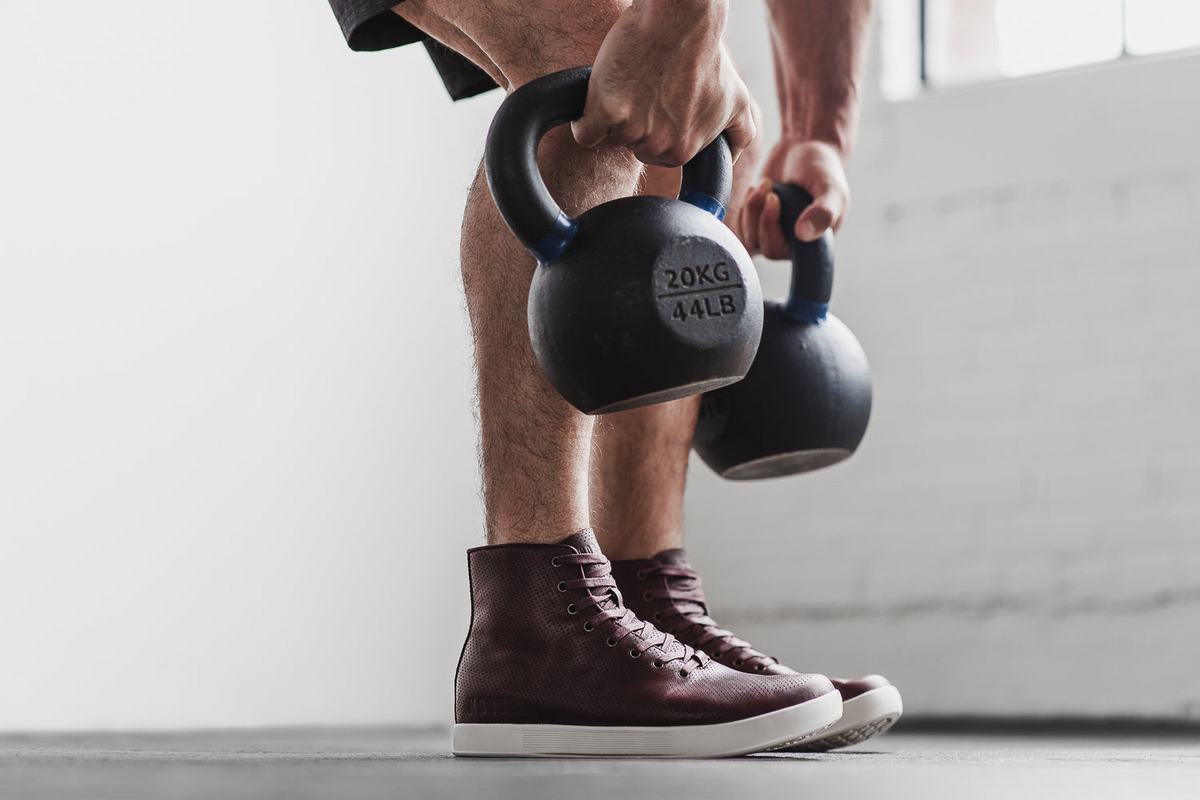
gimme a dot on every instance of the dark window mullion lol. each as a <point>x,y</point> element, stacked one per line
<point>923,44</point>
<point>1124,28</point>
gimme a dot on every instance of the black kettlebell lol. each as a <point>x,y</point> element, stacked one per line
<point>641,299</point>
<point>806,401</point>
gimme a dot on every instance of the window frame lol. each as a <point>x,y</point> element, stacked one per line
<point>925,85</point>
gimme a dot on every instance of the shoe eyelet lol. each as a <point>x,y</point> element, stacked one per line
<point>641,574</point>
<point>611,642</point>
<point>589,627</point>
<point>634,653</point>
<point>657,616</point>
<point>758,667</point>
<point>645,595</point>
<point>737,662</point>
<point>572,610</point>
<point>554,562</point>
<point>683,673</point>
<point>562,586</point>
<point>658,663</point>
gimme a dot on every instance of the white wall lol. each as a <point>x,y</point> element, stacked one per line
<point>236,455</point>
<point>1018,532</point>
<point>236,449</point>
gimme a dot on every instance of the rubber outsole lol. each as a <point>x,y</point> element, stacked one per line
<point>763,732</point>
<point>863,717</point>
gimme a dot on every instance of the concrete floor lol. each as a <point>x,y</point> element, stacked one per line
<point>387,763</point>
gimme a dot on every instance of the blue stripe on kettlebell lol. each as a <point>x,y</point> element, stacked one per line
<point>806,310</point>
<point>557,240</point>
<point>703,201</point>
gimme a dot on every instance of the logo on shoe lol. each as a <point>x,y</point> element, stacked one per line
<point>493,707</point>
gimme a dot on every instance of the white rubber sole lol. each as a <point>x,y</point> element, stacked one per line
<point>863,717</point>
<point>766,731</point>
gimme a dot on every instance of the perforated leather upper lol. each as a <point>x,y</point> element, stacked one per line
<point>528,659</point>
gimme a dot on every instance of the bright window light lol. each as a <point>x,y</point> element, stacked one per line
<point>1044,35</point>
<point>967,41</point>
<point>900,48</point>
<point>1157,26</point>
<point>971,40</point>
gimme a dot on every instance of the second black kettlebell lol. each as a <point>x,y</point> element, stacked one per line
<point>806,400</point>
<point>641,299</point>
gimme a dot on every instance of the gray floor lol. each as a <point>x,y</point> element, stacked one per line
<point>385,763</point>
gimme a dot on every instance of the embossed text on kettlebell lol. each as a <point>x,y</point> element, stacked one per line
<point>698,292</point>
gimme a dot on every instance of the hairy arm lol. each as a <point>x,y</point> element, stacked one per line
<point>819,47</point>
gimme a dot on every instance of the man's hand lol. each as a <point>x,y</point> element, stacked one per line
<point>663,85</point>
<point>815,167</point>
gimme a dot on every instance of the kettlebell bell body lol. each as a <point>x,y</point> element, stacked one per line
<point>806,401</point>
<point>639,300</point>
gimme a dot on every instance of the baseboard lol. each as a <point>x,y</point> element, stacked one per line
<point>1046,725</point>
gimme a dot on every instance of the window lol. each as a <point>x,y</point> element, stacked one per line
<point>938,43</point>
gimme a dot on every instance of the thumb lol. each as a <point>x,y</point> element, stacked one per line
<point>589,130</point>
<point>824,213</point>
<point>596,123</point>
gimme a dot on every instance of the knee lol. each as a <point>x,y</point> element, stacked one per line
<point>529,38</point>
<point>580,178</point>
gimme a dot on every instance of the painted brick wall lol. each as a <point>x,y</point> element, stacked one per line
<point>1020,532</point>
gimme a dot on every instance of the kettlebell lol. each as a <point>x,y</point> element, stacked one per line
<point>806,401</point>
<point>641,299</point>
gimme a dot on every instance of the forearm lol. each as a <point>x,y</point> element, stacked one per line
<point>819,47</point>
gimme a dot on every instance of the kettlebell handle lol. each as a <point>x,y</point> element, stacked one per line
<point>812,262</point>
<point>510,160</point>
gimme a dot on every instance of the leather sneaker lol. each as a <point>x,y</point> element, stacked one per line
<point>555,664</point>
<point>666,590</point>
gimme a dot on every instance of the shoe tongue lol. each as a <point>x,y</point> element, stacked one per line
<point>582,540</point>
<point>676,557</point>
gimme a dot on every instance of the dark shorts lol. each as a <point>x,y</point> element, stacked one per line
<point>371,25</point>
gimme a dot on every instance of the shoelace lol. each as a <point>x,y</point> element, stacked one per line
<point>686,602</point>
<point>625,626</point>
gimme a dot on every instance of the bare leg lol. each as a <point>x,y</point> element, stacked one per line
<point>535,447</point>
<point>639,465</point>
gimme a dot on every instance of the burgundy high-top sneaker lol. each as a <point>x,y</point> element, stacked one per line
<point>666,590</point>
<point>554,664</point>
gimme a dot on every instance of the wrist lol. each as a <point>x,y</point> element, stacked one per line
<point>830,138</point>
<point>830,121</point>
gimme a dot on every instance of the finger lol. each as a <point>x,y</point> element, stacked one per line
<point>589,130</point>
<point>824,213</point>
<point>739,194</point>
<point>643,148</point>
<point>741,131</point>
<point>745,231</point>
<point>654,160</point>
<point>623,134</point>
<point>599,121</point>
<point>665,151</point>
<point>770,233</point>
<point>751,211</point>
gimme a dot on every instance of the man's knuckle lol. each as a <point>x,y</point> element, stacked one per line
<point>624,132</point>
<point>612,109</point>
<point>655,143</point>
<point>683,151</point>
